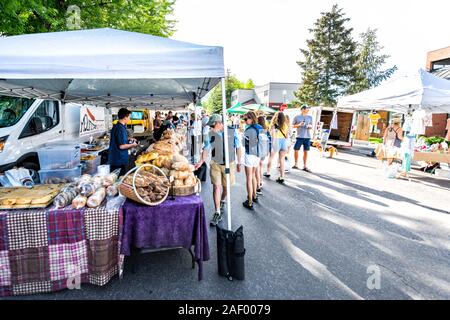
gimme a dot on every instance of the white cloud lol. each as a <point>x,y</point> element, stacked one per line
<point>262,38</point>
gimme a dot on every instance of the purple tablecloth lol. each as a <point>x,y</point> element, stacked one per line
<point>174,223</point>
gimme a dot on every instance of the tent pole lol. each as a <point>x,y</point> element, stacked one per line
<point>227,155</point>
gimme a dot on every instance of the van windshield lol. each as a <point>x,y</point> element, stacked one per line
<point>12,110</point>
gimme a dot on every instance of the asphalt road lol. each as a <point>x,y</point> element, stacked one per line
<point>321,236</point>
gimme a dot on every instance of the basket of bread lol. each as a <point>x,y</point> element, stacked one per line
<point>184,182</point>
<point>146,184</point>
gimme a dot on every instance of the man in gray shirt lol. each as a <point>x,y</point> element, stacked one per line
<point>303,123</point>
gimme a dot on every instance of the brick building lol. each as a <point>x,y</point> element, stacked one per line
<point>438,63</point>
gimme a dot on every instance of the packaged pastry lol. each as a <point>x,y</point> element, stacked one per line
<point>98,182</point>
<point>110,179</point>
<point>87,189</point>
<point>65,197</point>
<point>112,191</point>
<point>79,202</point>
<point>97,198</point>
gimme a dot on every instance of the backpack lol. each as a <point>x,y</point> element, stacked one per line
<point>263,144</point>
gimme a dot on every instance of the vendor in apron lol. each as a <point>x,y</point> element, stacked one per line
<point>120,144</point>
<point>215,147</point>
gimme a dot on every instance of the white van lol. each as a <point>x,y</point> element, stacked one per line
<point>28,124</point>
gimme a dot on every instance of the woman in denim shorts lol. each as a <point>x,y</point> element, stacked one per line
<point>280,146</point>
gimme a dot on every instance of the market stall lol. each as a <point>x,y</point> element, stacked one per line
<point>416,96</point>
<point>108,68</point>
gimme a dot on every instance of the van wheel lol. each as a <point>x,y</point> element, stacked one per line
<point>34,168</point>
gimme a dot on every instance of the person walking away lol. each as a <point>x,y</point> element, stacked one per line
<point>287,166</point>
<point>392,141</point>
<point>120,144</point>
<point>265,153</point>
<point>303,123</point>
<point>279,132</point>
<point>214,147</point>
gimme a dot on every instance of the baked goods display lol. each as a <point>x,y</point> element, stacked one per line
<point>88,191</point>
<point>158,158</point>
<point>97,198</point>
<point>40,196</point>
<point>164,153</point>
<point>182,174</point>
<point>65,197</point>
<point>79,202</point>
<point>146,184</point>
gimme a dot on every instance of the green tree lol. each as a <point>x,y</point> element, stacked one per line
<point>32,16</point>
<point>249,84</point>
<point>370,62</point>
<point>329,62</point>
<point>214,102</point>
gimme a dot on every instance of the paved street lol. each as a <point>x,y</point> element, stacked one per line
<point>315,238</point>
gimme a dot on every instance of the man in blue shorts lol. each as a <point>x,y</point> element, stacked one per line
<point>303,123</point>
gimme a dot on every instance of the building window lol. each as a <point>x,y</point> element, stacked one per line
<point>266,93</point>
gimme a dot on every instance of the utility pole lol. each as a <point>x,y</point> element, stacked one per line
<point>228,73</point>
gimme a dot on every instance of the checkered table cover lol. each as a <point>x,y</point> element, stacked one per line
<point>50,250</point>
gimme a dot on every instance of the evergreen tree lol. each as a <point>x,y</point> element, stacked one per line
<point>329,64</point>
<point>370,62</point>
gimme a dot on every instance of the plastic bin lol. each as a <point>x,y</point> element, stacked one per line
<point>91,166</point>
<point>59,175</point>
<point>59,157</point>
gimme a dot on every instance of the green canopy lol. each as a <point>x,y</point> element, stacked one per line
<point>260,107</point>
<point>237,108</point>
<point>240,109</point>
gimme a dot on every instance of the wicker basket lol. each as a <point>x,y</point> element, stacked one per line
<point>130,192</point>
<point>187,190</point>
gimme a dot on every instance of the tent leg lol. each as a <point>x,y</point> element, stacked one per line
<point>227,155</point>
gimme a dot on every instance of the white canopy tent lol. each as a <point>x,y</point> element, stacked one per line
<point>111,68</point>
<point>108,67</point>
<point>421,89</point>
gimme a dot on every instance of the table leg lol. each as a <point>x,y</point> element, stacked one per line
<point>134,259</point>
<point>193,258</point>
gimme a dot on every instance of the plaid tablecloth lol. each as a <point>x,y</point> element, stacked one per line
<point>50,250</point>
